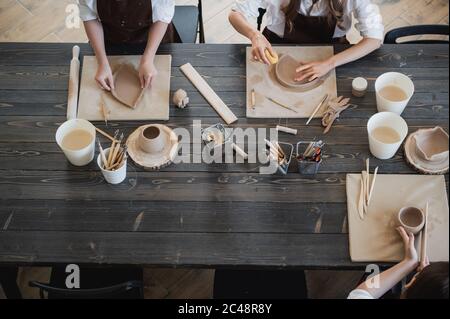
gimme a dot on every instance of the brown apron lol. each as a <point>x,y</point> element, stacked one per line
<point>128,21</point>
<point>307,30</point>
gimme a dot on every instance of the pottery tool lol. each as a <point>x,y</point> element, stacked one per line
<point>239,151</point>
<point>367,180</point>
<point>319,106</point>
<point>361,199</point>
<point>372,186</point>
<point>287,130</point>
<point>253,99</point>
<point>424,241</point>
<point>335,108</point>
<point>104,111</point>
<point>312,153</point>
<point>102,154</point>
<point>114,142</point>
<point>281,104</point>
<point>208,93</point>
<point>74,78</point>
<point>105,134</point>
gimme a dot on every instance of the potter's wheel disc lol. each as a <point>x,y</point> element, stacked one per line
<point>156,160</point>
<point>426,167</point>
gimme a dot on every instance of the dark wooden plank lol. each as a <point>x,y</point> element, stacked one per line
<point>187,217</point>
<point>177,249</point>
<point>337,158</point>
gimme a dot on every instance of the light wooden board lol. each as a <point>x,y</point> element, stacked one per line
<point>261,78</point>
<point>153,106</point>
<point>375,238</point>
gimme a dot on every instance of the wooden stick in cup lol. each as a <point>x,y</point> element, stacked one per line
<point>102,154</point>
<point>112,139</point>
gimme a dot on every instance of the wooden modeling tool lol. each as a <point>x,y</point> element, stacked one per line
<point>253,99</point>
<point>102,154</point>
<point>281,105</point>
<point>286,130</point>
<point>74,82</point>
<point>335,108</point>
<point>424,241</point>
<point>239,151</point>
<point>208,93</point>
<point>372,186</point>
<point>317,109</point>
<point>104,111</point>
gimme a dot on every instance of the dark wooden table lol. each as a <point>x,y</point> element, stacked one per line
<point>189,215</point>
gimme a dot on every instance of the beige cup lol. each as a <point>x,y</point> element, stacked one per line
<point>151,140</point>
<point>395,79</point>
<point>378,148</point>
<point>411,219</point>
<point>79,157</point>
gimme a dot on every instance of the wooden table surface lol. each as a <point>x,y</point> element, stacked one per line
<point>195,215</point>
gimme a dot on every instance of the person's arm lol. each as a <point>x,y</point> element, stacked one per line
<point>94,31</point>
<point>314,70</point>
<point>147,69</point>
<point>394,275</point>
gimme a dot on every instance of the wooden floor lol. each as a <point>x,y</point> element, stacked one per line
<point>44,21</point>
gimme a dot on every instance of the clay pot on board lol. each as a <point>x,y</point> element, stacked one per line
<point>151,140</point>
<point>285,71</point>
<point>432,144</point>
<point>412,219</point>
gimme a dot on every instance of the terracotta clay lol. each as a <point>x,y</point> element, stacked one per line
<point>180,99</point>
<point>285,72</point>
<point>127,86</point>
<point>412,219</point>
<point>432,144</point>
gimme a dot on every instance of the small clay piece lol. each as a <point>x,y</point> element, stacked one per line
<point>412,219</point>
<point>285,72</point>
<point>273,59</point>
<point>432,144</point>
<point>180,99</point>
<point>127,86</point>
<point>359,87</point>
<point>253,99</point>
<point>143,145</point>
<point>416,158</point>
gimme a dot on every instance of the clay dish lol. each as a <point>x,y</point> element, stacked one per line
<point>151,140</point>
<point>432,144</point>
<point>285,73</point>
<point>127,86</point>
<point>412,219</point>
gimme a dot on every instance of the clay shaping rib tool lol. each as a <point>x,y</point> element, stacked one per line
<point>282,105</point>
<point>74,81</point>
<point>208,93</point>
<point>317,109</point>
<point>372,186</point>
<point>361,199</point>
<point>424,241</point>
<point>253,99</point>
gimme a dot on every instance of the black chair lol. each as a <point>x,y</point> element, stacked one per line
<point>188,22</point>
<point>96,283</point>
<point>393,36</point>
<point>259,21</point>
<point>260,284</point>
<point>8,282</point>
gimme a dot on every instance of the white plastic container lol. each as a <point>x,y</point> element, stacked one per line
<point>81,157</point>
<point>395,79</point>
<point>378,148</point>
<point>112,177</point>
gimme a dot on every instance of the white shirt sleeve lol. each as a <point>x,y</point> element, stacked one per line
<point>88,10</point>
<point>360,294</point>
<point>249,8</point>
<point>370,21</point>
<point>163,10</point>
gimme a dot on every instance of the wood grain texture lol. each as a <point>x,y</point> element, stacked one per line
<point>189,214</point>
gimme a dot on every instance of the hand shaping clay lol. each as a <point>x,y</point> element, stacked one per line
<point>180,99</point>
<point>127,86</point>
<point>285,73</point>
<point>412,219</point>
<point>273,59</point>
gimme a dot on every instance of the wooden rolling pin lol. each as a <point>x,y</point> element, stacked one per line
<point>72,100</point>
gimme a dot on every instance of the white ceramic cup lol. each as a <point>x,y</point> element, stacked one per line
<point>151,140</point>
<point>112,177</point>
<point>380,149</point>
<point>395,79</point>
<point>82,156</point>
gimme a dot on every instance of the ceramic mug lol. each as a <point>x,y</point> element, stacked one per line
<point>151,140</point>
<point>411,219</point>
<point>398,80</point>
<point>380,149</point>
<point>112,177</point>
<point>79,157</point>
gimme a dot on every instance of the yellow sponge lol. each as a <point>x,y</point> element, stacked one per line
<point>273,59</point>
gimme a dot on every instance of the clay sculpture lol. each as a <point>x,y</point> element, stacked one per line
<point>127,86</point>
<point>285,73</point>
<point>180,99</point>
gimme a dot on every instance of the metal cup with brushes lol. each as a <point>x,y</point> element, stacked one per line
<point>280,154</point>
<point>309,157</point>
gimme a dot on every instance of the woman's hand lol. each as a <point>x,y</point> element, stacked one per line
<point>313,70</point>
<point>147,72</point>
<point>408,242</point>
<point>259,46</point>
<point>104,77</point>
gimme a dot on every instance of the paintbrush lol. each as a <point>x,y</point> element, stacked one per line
<point>281,104</point>
<point>102,154</point>
<point>317,109</point>
<point>112,148</point>
<point>104,111</point>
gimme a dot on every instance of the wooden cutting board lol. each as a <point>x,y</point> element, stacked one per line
<point>153,106</point>
<point>375,238</point>
<point>262,79</point>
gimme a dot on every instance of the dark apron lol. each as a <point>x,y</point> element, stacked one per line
<point>307,30</point>
<point>128,21</point>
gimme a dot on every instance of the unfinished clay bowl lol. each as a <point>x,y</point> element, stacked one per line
<point>411,219</point>
<point>432,144</point>
<point>151,139</point>
<point>285,73</point>
<point>127,86</point>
